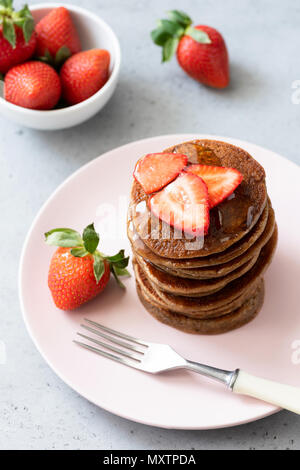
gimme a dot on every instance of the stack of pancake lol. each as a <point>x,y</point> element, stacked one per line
<point>214,284</point>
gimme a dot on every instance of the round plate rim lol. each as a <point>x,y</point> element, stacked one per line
<point>235,141</point>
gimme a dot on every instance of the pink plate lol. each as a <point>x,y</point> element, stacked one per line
<point>267,347</point>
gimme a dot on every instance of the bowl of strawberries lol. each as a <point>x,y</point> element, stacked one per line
<point>59,64</point>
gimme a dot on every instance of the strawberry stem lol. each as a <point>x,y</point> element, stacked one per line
<point>87,246</point>
<point>9,18</point>
<point>169,32</point>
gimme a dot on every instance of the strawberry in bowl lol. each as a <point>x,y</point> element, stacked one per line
<point>32,85</point>
<point>59,36</point>
<point>17,36</point>
<point>56,34</point>
<point>83,74</point>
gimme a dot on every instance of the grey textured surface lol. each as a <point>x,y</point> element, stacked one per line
<point>37,410</point>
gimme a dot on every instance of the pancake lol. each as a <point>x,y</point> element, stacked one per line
<point>190,287</point>
<point>211,284</point>
<point>151,293</point>
<point>216,301</point>
<point>264,225</point>
<point>226,268</point>
<point>230,220</point>
<point>239,317</point>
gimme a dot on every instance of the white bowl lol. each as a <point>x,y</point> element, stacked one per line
<point>93,33</point>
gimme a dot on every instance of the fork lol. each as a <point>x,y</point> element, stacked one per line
<point>155,358</point>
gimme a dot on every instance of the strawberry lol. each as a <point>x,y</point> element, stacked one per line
<point>201,50</point>
<point>156,170</point>
<point>183,204</point>
<point>83,74</point>
<point>17,36</point>
<point>78,271</point>
<point>32,85</point>
<point>206,63</point>
<point>57,35</point>
<point>71,280</point>
<point>220,181</point>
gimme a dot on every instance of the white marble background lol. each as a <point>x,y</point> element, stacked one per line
<point>37,410</point>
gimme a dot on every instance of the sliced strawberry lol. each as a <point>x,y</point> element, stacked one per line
<point>156,170</point>
<point>183,204</point>
<point>220,181</point>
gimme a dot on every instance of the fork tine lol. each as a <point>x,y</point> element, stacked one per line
<point>112,339</point>
<point>109,346</point>
<point>122,360</point>
<point>116,333</point>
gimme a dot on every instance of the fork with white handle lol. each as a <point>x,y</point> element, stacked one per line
<point>154,358</point>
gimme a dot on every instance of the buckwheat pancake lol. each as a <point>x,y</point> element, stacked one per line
<point>220,270</point>
<point>264,227</point>
<point>152,294</point>
<point>239,317</point>
<point>230,220</point>
<point>187,287</point>
<point>191,305</point>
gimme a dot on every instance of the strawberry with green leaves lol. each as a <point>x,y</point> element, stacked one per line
<point>57,37</point>
<point>78,270</point>
<point>201,50</point>
<point>17,36</point>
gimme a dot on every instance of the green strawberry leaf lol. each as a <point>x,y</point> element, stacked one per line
<point>86,245</point>
<point>79,252</point>
<point>117,265</point>
<point>90,238</point>
<point>65,237</point>
<point>47,58</point>
<point>170,31</point>
<point>99,267</point>
<point>198,35</point>
<point>19,17</point>
<point>28,28</point>
<point>22,18</point>
<point>169,49</point>
<point>179,17</point>
<point>122,263</point>
<point>117,272</point>
<point>170,27</point>
<point>6,3</point>
<point>122,272</point>
<point>9,31</point>
<point>1,77</point>
<point>18,21</point>
<point>119,256</point>
<point>25,12</point>
<point>118,260</point>
<point>160,36</point>
<point>62,55</point>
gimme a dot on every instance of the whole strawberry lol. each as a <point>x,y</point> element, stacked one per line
<point>17,36</point>
<point>78,271</point>
<point>57,37</point>
<point>201,50</point>
<point>83,74</point>
<point>33,85</point>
